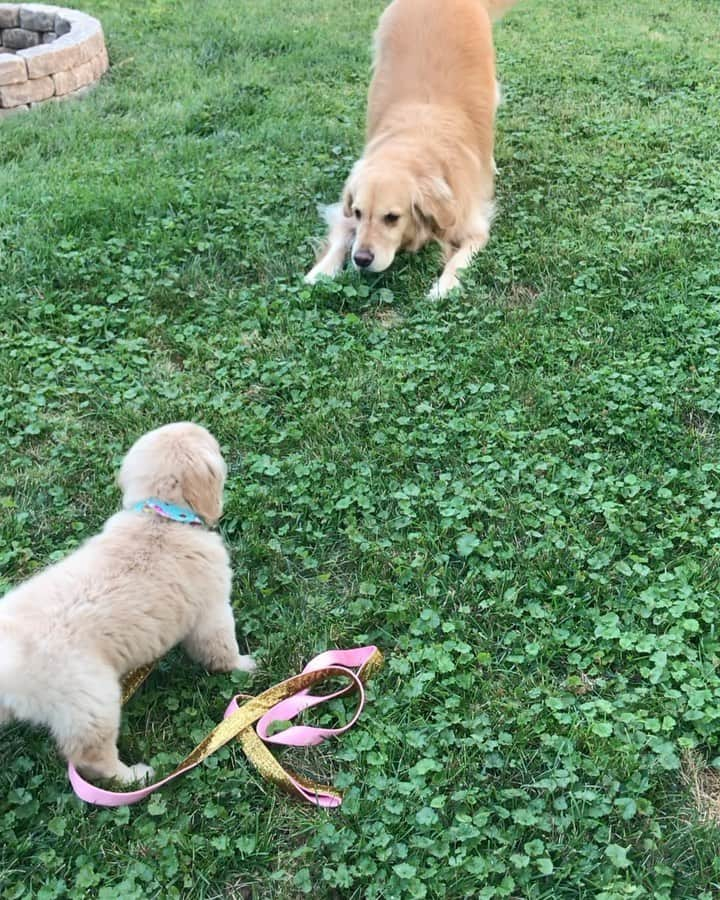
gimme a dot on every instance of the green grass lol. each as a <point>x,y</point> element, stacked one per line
<point>515,492</point>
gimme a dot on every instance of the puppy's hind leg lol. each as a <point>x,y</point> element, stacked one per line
<point>213,644</point>
<point>86,727</point>
<point>5,715</point>
<point>339,239</point>
<point>100,759</point>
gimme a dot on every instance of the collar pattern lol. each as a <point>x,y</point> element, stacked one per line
<point>169,511</point>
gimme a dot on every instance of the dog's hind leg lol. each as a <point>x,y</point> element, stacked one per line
<point>339,239</point>
<point>5,715</point>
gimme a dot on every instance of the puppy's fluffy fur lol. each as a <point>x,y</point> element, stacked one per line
<point>427,172</point>
<point>123,599</point>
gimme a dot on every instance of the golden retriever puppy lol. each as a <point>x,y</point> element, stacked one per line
<point>148,581</point>
<point>427,172</point>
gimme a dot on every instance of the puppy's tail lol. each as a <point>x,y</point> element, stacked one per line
<point>497,8</point>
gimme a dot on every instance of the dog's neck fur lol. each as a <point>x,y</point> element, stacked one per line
<point>166,489</point>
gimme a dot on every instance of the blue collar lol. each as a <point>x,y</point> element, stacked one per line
<point>169,511</point>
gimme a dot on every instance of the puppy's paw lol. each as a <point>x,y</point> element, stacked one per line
<point>246,664</point>
<point>230,662</point>
<point>137,774</point>
<point>141,774</point>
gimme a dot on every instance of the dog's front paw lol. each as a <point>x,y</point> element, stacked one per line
<point>442,287</point>
<point>434,292</point>
<point>317,273</point>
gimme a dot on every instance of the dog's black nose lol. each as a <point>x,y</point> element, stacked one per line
<point>363,258</point>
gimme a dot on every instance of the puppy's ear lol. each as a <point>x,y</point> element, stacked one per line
<point>202,482</point>
<point>434,204</point>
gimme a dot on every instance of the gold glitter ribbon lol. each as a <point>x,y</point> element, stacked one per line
<point>239,724</point>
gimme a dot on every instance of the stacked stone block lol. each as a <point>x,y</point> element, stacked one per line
<point>47,52</point>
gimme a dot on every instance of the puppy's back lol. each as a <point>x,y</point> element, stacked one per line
<point>126,595</point>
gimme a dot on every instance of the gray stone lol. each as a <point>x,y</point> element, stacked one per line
<point>74,79</point>
<point>15,109</point>
<point>13,70</point>
<point>62,26</point>
<point>35,18</point>
<point>32,91</point>
<point>69,51</point>
<point>73,95</point>
<point>48,37</point>
<point>9,15</point>
<point>20,38</point>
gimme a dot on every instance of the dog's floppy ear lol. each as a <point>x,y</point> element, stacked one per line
<point>347,201</point>
<point>201,482</point>
<point>349,191</point>
<point>434,204</point>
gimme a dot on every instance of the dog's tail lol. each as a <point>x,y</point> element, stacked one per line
<point>497,8</point>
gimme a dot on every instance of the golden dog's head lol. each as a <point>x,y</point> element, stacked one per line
<point>180,463</point>
<point>394,207</point>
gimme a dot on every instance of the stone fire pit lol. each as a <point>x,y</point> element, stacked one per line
<point>47,52</point>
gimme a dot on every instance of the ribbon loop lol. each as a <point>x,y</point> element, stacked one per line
<point>282,702</point>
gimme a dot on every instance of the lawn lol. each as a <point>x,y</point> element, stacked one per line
<point>514,492</point>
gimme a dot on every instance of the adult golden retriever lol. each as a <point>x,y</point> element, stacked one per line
<point>427,172</point>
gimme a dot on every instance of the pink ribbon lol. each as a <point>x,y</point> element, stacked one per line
<point>335,662</point>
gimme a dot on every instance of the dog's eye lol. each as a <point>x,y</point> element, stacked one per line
<point>391,218</point>
<point>358,214</point>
